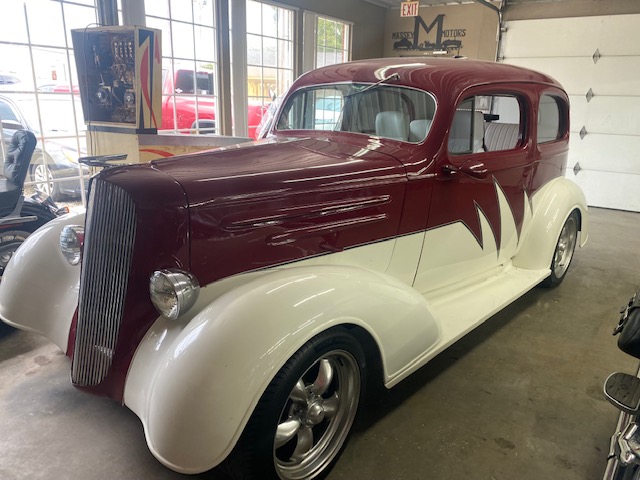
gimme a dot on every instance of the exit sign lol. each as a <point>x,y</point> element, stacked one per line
<point>409,9</point>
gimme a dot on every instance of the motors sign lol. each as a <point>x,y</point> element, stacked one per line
<point>409,9</point>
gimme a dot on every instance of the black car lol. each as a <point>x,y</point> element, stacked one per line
<point>54,166</point>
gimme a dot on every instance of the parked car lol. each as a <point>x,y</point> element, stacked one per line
<point>240,300</point>
<point>58,159</point>
<point>183,84</point>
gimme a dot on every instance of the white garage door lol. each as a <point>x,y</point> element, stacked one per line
<point>607,157</point>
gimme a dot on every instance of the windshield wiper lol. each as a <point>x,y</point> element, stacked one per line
<point>393,76</point>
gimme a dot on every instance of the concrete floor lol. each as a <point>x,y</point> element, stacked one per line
<point>519,398</point>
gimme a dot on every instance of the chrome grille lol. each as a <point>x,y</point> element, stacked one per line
<point>110,230</point>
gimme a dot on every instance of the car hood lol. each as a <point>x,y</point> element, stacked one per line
<point>278,166</point>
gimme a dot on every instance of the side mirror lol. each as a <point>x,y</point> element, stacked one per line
<point>12,125</point>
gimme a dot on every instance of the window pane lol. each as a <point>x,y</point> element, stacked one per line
<point>254,50</point>
<point>285,21</point>
<point>254,17</point>
<point>269,51</point>
<point>332,42</point>
<point>181,10</point>
<point>548,119</point>
<point>205,43</point>
<point>157,8</point>
<point>45,23</point>
<point>13,27</point>
<point>203,13</point>
<point>285,56</point>
<point>183,46</point>
<point>269,20</point>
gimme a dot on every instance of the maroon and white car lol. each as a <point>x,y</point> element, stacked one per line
<point>239,300</point>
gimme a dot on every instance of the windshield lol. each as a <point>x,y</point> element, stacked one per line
<point>386,111</point>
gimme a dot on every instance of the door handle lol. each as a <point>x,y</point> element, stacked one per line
<point>475,170</point>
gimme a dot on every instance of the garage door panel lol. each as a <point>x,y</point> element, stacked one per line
<point>610,153</point>
<point>609,190</point>
<point>546,37</point>
<point>617,76</point>
<point>563,70</point>
<point>611,115</point>
<point>620,35</point>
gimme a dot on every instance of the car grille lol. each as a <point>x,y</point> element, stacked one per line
<point>110,230</point>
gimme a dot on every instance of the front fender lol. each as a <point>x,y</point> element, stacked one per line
<point>194,385</point>
<point>39,288</point>
<point>551,206</point>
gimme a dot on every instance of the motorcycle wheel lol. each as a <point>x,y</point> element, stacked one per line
<point>9,243</point>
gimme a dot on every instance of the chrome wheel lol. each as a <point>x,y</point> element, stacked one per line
<point>317,416</point>
<point>43,179</point>
<point>566,246</point>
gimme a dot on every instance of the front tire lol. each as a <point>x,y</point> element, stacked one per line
<point>563,254</point>
<point>303,420</point>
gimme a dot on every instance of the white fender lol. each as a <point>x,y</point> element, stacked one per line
<point>194,382</point>
<point>551,207</point>
<point>39,288</point>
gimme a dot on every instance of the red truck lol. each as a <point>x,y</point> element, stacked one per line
<point>184,85</point>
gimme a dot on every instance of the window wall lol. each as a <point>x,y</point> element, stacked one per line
<point>188,63</point>
<point>39,90</point>
<point>270,56</point>
<point>333,41</point>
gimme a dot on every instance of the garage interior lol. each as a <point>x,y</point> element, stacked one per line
<point>520,397</point>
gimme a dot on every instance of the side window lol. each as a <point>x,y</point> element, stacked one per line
<point>549,119</point>
<point>487,123</point>
<point>6,113</point>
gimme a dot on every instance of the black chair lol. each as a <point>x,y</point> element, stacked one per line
<point>16,166</point>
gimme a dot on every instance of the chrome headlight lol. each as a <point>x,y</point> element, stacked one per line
<point>173,292</point>
<point>71,241</point>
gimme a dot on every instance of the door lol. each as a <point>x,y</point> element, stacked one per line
<point>479,204</point>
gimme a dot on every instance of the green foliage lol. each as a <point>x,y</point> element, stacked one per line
<point>330,33</point>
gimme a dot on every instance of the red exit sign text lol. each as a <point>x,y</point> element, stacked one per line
<point>409,9</point>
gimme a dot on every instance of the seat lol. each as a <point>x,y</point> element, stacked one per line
<point>392,124</point>
<point>418,129</point>
<point>16,165</point>
<point>500,136</point>
<point>460,133</point>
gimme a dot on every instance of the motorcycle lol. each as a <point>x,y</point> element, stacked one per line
<point>623,391</point>
<point>20,217</point>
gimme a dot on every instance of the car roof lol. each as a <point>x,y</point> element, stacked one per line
<point>442,76</point>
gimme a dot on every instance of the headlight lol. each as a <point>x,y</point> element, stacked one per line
<point>173,292</point>
<point>71,241</point>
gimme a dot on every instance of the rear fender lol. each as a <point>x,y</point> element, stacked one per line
<point>551,206</point>
<point>195,382</point>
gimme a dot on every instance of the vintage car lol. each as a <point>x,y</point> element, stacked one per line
<point>239,300</point>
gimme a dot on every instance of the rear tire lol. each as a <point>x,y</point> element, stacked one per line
<point>303,420</point>
<point>563,253</point>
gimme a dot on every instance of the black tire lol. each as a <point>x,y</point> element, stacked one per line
<point>275,443</point>
<point>563,253</point>
<point>10,240</point>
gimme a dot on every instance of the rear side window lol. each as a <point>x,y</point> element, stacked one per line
<point>486,123</point>
<point>550,126</point>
